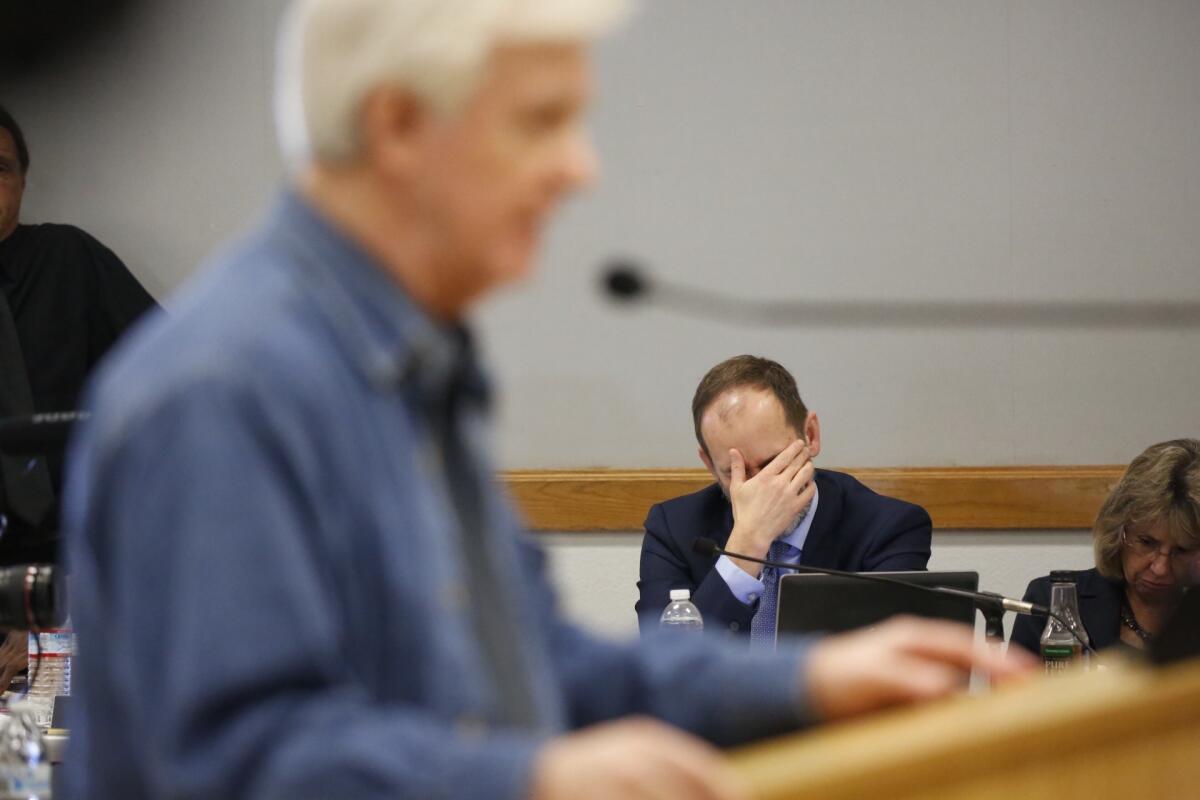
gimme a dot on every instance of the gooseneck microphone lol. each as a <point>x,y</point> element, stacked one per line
<point>991,604</point>
<point>991,599</point>
<point>626,281</point>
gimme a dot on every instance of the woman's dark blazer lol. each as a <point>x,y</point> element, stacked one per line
<point>1099,608</point>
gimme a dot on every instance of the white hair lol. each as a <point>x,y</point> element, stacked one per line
<point>333,52</point>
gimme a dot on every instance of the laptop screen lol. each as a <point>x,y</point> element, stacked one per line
<point>811,603</point>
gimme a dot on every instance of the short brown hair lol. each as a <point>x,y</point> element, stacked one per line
<point>754,371</point>
<point>1161,484</point>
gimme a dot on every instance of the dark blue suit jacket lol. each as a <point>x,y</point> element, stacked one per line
<point>853,529</point>
<point>1099,610</point>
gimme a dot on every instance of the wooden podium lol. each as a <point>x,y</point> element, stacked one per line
<point>1127,731</point>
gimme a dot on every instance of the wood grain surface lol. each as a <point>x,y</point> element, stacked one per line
<point>1127,732</point>
<point>957,498</point>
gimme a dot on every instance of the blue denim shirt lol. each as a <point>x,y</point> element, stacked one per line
<point>268,582</point>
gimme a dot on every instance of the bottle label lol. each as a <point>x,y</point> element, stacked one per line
<point>55,643</point>
<point>1059,657</point>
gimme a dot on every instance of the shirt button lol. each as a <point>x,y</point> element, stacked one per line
<point>733,626</point>
<point>753,596</point>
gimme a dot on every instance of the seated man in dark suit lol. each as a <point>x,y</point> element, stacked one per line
<point>758,440</point>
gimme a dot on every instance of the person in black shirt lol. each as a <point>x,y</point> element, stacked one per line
<point>65,298</point>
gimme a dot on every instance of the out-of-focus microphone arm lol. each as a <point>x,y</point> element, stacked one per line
<point>626,281</point>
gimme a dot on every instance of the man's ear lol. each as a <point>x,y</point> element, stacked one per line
<point>392,122</point>
<point>812,433</point>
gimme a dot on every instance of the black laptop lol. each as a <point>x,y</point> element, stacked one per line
<point>811,603</point>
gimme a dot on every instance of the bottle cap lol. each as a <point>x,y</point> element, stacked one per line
<point>681,594</point>
<point>1062,576</point>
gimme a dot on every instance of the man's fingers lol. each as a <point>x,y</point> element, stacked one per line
<point>903,660</point>
<point>947,642</point>
<point>798,462</point>
<point>804,494</point>
<point>697,770</point>
<point>639,759</point>
<point>802,479</point>
<point>785,458</point>
<point>737,468</point>
<point>922,679</point>
<point>952,643</point>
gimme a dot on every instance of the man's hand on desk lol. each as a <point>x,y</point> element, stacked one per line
<point>633,759</point>
<point>904,660</point>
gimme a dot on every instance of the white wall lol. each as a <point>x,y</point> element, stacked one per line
<point>1000,150</point>
<point>159,138</point>
<point>934,150</point>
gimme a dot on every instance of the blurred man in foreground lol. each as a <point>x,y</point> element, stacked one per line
<point>295,576</point>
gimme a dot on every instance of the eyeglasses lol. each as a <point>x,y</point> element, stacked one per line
<point>1144,546</point>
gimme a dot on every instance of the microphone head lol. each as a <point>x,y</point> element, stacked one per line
<point>704,547</point>
<point>622,280</point>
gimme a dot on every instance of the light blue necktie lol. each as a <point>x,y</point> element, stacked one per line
<point>762,627</point>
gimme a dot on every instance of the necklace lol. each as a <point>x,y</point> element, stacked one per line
<point>1130,621</point>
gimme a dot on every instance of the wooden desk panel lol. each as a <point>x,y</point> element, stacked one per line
<point>966,498</point>
<point>1122,733</point>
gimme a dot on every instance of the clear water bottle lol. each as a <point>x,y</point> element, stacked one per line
<point>24,763</point>
<point>49,670</point>
<point>1060,647</point>
<point>681,613</point>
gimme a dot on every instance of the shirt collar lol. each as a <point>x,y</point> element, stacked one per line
<point>799,534</point>
<point>387,334</point>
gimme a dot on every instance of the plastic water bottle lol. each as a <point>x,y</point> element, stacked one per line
<point>681,613</point>
<point>24,763</point>
<point>1060,647</point>
<point>49,671</point>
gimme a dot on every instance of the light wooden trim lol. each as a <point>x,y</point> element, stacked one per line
<point>958,498</point>
<point>1121,733</point>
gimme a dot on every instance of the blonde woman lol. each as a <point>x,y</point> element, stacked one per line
<point>1147,544</point>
